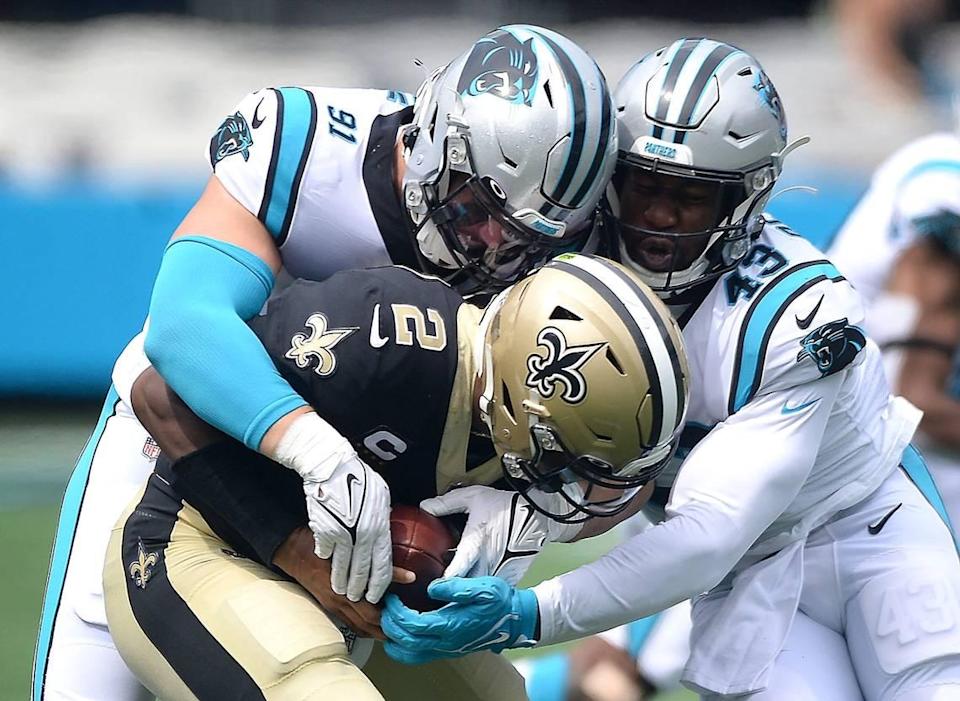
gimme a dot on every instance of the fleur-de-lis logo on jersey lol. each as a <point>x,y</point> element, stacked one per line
<point>562,364</point>
<point>318,345</point>
<point>141,569</point>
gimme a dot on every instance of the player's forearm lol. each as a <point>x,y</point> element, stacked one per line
<point>176,429</point>
<point>652,571</point>
<point>199,342</point>
<point>723,500</point>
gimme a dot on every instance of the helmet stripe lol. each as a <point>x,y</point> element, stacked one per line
<point>578,129</point>
<point>606,132</point>
<point>618,306</point>
<point>691,69</point>
<point>674,404</point>
<point>636,310</point>
<point>699,85</point>
<point>671,52</point>
<point>673,73</point>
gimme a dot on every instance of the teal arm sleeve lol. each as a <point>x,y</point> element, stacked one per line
<point>199,342</point>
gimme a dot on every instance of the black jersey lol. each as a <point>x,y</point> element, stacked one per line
<point>385,356</point>
<point>378,354</point>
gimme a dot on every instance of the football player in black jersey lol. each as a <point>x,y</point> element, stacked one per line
<point>496,165</point>
<point>570,389</point>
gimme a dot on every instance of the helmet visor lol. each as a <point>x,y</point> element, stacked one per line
<point>482,231</point>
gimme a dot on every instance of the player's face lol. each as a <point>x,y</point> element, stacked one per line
<point>482,230</point>
<point>475,228</point>
<point>655,202</point>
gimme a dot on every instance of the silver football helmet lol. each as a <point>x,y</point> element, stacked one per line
<point>706,114</point>
<point>511,147</point>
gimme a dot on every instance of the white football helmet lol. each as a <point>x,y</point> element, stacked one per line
<point>704,112</point>
<point>510,150</point>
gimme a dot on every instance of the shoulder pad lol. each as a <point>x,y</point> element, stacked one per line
<point>802,325</point>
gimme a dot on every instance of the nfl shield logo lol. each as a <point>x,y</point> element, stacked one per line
<point>150,449</point>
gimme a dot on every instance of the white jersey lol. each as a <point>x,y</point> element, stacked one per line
<point>784,319</point>
<point>920,180</point>
<point>789,422</point>
<point>316,167</point>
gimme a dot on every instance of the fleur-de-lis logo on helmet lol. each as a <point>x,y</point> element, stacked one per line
<point>141,569</point>
<point>318,345</point>
<point>562,364</point>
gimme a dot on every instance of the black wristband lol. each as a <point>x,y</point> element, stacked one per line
<point>250,501</point>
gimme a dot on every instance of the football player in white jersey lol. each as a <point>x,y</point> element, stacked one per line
<point>795,514</point>
<point>498,165</point>
<point>900,247</point>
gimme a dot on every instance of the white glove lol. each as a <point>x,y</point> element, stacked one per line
<point>348,507</point>
<point>503,533</point>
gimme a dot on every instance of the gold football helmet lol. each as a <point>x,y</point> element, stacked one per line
<point>583,381</point>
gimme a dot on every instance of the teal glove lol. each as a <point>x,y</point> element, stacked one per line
<point>484,613</point>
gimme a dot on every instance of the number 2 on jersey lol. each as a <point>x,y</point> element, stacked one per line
<point>346,124</point>
<point>411,327</point>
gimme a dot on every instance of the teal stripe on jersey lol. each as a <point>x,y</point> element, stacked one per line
<point>916,468</point>
<point>298,121</point>
<point>638,632</point>
<point>760,321</point>
<point>928,166</point>
<point>63,543</point>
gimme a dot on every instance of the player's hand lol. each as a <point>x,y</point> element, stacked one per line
<point>349,514</point>
<point>296,557</point>
<point>484,613</point>
<point>348,504</point>
<point>503,533</point>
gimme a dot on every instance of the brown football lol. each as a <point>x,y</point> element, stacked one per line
<point>423,544</point>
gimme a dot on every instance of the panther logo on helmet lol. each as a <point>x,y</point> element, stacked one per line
<point>500,64</point>
<point>562,364</point>
<point>832,346</point>
<point>232,137</point>
<point>768,93</point>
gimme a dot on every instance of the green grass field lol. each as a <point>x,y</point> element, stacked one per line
<point>38,446</point>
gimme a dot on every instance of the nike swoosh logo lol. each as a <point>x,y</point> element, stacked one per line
<point>806,321</point>
<point>351,479</point>
<point>875,528</point>
<point>786,409</point>
<point>376,340</point>
<point>502,637</point>
<point>256,121</point>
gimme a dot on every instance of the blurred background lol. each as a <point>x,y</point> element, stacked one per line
<point>106,111</point>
